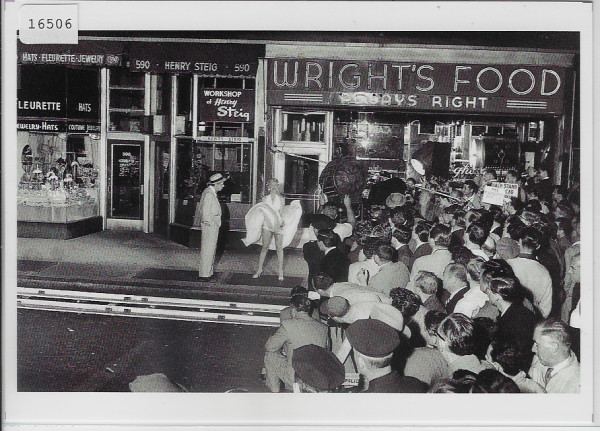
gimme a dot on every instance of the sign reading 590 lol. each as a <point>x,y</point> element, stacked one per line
<point>142,65</point>
<point>245,67</point>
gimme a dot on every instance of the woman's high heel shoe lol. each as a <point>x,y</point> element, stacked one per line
<point>258,274</point>
<point>280,278</point>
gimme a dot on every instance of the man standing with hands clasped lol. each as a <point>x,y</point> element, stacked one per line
<point>208,215</point>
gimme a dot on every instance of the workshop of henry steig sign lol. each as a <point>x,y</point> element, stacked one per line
<point>226,105</point>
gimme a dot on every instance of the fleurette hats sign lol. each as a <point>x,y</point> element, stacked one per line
<point>52,98</point>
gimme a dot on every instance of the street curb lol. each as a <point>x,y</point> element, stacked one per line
<point>175,289</point>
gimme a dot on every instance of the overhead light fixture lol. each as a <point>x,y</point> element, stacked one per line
<point>422,159</point>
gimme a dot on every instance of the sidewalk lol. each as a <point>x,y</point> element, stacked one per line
<point>138,263</point>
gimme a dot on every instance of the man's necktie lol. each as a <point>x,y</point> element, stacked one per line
<point>548,375</point>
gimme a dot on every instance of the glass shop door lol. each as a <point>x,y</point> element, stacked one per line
<point>126,183</point>
<point>302,180</point>
<point>161,187</point>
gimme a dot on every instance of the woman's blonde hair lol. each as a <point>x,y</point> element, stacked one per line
<point>274,180</point>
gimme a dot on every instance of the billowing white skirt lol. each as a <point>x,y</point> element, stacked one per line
<point>262,216</point>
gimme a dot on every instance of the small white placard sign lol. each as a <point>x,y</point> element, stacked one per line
<point>510,190</point>
<point>493,195</point>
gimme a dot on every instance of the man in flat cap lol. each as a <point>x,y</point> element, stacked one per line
<point>316,370</point>
<point>374,343</point>
<point>208,216</point>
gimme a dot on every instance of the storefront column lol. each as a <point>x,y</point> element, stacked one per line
<point>260,128</point>
<point>103,166</point>
<point>195,107</point>
<point>173,164</point>
<point>148,176</point>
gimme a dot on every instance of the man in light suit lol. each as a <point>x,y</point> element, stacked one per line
<point>208,216</point>
<point>391,274</point>
<point>300,330</point>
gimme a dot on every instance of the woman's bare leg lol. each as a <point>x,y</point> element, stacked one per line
<point>266,240</point>
<point>279,248</point>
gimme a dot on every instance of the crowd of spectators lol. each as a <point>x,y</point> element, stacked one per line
<point>438,292</point>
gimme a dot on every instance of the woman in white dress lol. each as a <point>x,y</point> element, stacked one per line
<point>275,200</point>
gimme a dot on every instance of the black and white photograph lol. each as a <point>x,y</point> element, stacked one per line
<point>213,213</point>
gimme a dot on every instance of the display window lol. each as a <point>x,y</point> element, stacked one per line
<point>223,142</point>
<point>385,141</point>
<point>197,161</point>
<point>58,143</point>
<point>302,127</point>
<point>126,105</point>
<point>58,177</point>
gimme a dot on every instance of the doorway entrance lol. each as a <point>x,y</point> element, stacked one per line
<point>125,184</point>
<point>161,187</point>
<point>302,180</point>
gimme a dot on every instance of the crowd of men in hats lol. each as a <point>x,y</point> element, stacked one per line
<point>438,292</point>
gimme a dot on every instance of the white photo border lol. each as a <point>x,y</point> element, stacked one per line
<point>437,410</point>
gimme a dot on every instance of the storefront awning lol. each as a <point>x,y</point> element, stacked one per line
<point>85,53</point>
<point>211,59</point>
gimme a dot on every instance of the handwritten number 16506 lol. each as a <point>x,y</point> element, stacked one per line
<point>49,23</point>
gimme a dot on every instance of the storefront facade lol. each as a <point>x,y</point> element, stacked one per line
<point>132,133</point>
<point>506,109</point>
<point>132,128</point>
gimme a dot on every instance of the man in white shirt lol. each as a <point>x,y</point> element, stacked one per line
<point>391,274</point>
<point>474,299</point>
<point>344,230</point>
<point>471,193</point>
<point>366,262</point>
<point>555,366</point>
<point>533,275</point>
<point>455,285</point>
<point>475,237</point>
<point>439,239</point>
<point>356,295</point>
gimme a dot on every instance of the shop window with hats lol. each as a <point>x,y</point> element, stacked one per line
<point>58,140</point>
<point>221,142</point>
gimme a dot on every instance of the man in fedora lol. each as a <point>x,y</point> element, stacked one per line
<point>208,216</point>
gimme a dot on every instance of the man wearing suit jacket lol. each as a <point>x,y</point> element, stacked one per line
<point>555,366</point>
<point>391,274</point>
<point>427,286</point>
<point>400,239</point>
<point>311,251</point>
<point>516,322</point>
<point>334,263</point>
<point>300,330</point>
<point>455,285</point>
<point>439,239</point>
<point>544,187</point>
<point>208,216</point>
<point>471,193</point>
<point>420,236</point>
